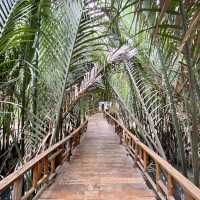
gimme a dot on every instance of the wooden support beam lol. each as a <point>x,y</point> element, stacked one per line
<point>35,172</point>
<point>140,152</point>
<point>170,187</point>
<point>136,153</point>
<point>46,166</point>
<point>17,188</point>
<point>188,196</point>
<point>70,149</point>
<point>53,166</point>
<point>40,169</point>
<point>145,156</point>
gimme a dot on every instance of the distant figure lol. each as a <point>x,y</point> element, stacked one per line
<point>102,106</point>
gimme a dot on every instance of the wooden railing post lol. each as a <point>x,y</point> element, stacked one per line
<point>127,141</point>
<point>35,175</point>
<point>140,153</point>
<point>121,136</point>
<point>188,196</point>
<point>136,153</point>
<point>75,141</point>
<point>70,150</point>
<point>133,144</point>
<point>46,166</point>
<point>169,185</point>
<point>39,169</point>
<point>53,166</point>
<point>157,176</point>
<point>17,188</point>
<point>61,155</point>
<point>145,160</point>
<point>78,138</point>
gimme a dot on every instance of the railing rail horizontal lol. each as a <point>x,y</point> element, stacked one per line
<point>40,165</point>
<point>142,154</point>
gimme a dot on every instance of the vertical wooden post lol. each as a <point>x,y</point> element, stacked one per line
<point>145,156</point>
<point>53,166</point>
<point>17,189</point>
<point>79,137</point>
<point>121,137</point>
<point>74,139</point>
<point>157,176</point>
<point>169,185</point>
<point>39,170</point>
<point>124,138</point>
<point>127,141</point>
<point>46,166</point>
<point>59,158</point>
<point>70,150</point>
<point>73,142</point>
<point>35,175</point>
<point>136,153</point>
<point>131,142</point>
<point>188,196</point>
<point>140,152</point>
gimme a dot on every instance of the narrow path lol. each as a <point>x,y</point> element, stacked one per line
<point>99,170</point>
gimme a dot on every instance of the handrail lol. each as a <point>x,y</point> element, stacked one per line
<point>40,164</point>
<point>141,153</point>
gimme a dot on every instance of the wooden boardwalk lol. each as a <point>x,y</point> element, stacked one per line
<point>99,170</point>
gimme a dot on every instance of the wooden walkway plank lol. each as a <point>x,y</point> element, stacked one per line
<point>99,170</point>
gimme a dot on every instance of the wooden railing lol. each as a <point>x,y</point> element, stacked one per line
<point>42,169</point>
<point>77,90</point>
<point>166,177</point>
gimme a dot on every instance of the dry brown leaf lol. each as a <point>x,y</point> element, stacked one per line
<point>194,24</point>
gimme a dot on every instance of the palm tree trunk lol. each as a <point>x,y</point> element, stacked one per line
<point>174,115</point>
<point>23,110</point>
<point>193,100</point>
